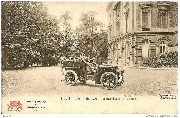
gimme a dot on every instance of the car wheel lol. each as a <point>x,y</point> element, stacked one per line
<point>70,78</point>
<point>109,80</point>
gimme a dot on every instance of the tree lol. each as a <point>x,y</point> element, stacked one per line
<point>68,37</point>
<point>27,33</point>
<point>92,38</point>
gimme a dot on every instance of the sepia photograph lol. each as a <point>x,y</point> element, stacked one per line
<point>82,57</point>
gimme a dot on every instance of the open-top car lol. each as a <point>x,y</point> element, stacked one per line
<point>79,71</point>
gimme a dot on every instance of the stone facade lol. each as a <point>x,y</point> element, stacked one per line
<point>138,30</point>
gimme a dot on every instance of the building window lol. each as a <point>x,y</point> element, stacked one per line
<point>163,18</point>
<point>146,19</point>
<point>162,47</point>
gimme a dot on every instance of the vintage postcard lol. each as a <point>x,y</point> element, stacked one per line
<point>84,57</point>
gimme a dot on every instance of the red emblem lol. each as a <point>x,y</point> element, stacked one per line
<point>15,106</point>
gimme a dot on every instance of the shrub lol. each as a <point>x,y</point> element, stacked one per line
<point>162,60</point>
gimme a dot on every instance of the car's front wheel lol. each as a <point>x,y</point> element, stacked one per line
<point>109,80</point>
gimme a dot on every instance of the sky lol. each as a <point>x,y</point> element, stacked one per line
<point>77,8</point>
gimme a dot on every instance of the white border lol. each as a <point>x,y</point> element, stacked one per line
<point>91,115</point>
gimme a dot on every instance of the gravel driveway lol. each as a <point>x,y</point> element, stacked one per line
<point>46,82</point>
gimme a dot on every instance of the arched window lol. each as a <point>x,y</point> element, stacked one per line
<point>162,47</point>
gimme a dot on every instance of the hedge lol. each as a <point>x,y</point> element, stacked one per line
<point>162,60</point>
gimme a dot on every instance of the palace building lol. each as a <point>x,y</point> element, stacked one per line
<point>138,30</point>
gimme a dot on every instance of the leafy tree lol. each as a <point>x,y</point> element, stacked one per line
<point>92,38</point>
<point>68,37</point>
<point>27,33</point>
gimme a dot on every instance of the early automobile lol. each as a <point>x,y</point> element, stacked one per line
<point>79,71</point>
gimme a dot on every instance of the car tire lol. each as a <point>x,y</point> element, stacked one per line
<point>109,80</point>
<point>70,77</point>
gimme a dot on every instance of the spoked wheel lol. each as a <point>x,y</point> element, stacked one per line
<point>109,80</point>
<point>70,78</point>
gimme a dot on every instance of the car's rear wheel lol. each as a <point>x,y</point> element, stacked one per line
<point>70,78</point>
<point>109,80</point>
